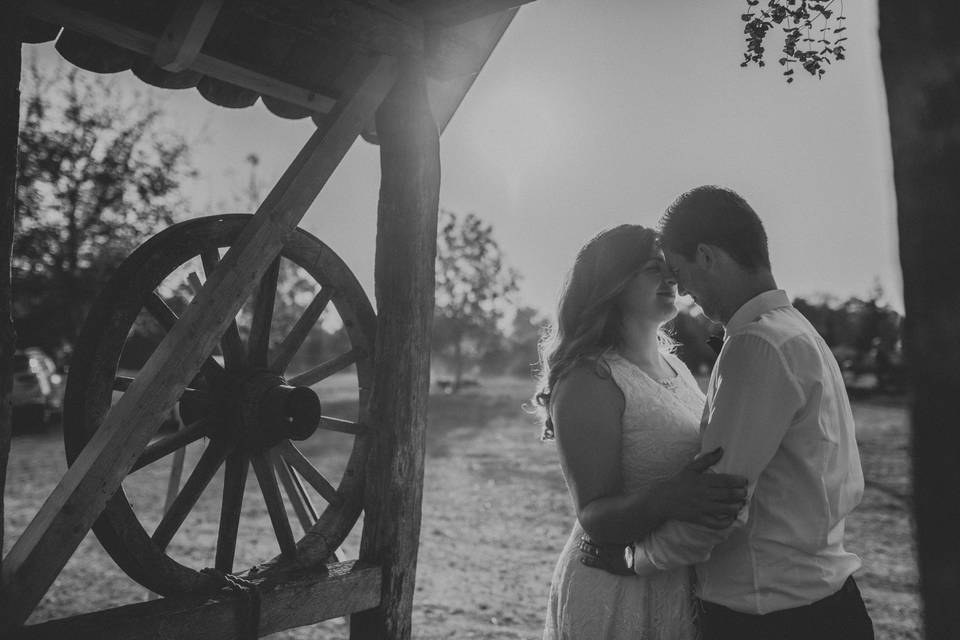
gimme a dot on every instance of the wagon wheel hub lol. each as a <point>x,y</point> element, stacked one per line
<point>264,410</point>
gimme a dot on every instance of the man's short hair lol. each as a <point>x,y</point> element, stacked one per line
<point>716,216</point>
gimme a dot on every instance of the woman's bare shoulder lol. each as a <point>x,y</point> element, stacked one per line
<point>587,382</point>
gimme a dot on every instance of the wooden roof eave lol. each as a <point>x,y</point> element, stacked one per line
<point>456,36</point>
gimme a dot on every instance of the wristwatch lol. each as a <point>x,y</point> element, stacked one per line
<point>628,556</point>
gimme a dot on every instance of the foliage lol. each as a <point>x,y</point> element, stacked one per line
<point>515,352</point>
<point>864,334</point>
<point>99,173</point>
<point>473,289</point>
<point>814,34</point>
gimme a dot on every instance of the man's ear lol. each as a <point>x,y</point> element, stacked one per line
<point>705,256</point>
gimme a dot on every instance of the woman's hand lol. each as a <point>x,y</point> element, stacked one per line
<point>698,496</point>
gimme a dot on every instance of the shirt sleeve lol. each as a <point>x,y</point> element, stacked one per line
<point>755,399</point>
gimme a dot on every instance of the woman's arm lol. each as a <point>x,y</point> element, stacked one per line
<point>587,412</point>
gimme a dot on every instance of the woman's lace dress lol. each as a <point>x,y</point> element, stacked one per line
<point>661,434</point>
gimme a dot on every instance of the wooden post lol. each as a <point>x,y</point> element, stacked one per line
<point>919,50</point>
<point>406,250</point>
<point>10,17</point>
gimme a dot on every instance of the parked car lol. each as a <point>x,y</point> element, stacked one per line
<point>37,389</point>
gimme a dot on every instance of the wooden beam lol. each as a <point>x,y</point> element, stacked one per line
<point>455,12</point>
<point>66,516</point>
<point>10,20</point>
<point>404,272</point>
<point>313,98</point>
<point>330,592</point>
<point>185,34</point>
<point>919,49</point>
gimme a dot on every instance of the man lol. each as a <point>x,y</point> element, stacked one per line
<point>777,405</point>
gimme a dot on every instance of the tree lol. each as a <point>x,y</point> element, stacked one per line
<point>919,49</point>
<point>522,344</point>
<point>99,173</point>
<point>473,289</point>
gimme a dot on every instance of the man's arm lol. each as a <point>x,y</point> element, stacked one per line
<point>755,399</point>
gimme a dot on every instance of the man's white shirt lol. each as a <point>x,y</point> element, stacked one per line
<point>777,405</point>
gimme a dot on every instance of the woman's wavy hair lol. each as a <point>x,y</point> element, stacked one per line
<point>589,317</point>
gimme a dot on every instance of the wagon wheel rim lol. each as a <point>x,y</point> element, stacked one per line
<point>253,384</point>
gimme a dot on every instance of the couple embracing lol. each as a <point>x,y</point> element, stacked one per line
<point>718,516</point>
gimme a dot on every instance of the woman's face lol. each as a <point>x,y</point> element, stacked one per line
<point>652,294</point>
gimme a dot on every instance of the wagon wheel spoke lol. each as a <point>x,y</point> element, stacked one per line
<point>263,315</point>
<point>278,513</point>
<point>168,444</point>
<point>163,314</point>
<point>326,369</point>
<point>176,473</point>
<point>294,340</point>
<point>341,426</point>
<point>295,491</point>
<point>200,477</point>
<point>314,478</point>
<point>122,383</point>
<point>234,482</point>
<point>232,346</point>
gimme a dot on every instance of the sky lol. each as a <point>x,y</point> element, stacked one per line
<point>592,114</point>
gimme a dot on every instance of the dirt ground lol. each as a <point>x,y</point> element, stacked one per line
<point>495,515</point>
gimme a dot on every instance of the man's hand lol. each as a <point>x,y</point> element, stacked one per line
<point>610,558</point>
<point>702,497</point>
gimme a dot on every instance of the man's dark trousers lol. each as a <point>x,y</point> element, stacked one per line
<point>841,616</point>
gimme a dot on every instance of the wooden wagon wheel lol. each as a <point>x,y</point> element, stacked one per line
<point>244,405</point>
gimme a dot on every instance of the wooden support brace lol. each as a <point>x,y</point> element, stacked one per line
<point>404,272</point>
<point>184,36</point>
<point>339,590</point>
<point>66,516</point>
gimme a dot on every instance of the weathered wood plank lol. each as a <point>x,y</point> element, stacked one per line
<point>185,34</point>
<point>404,271</point>
<point>299,600</point>
<point>10,23</point>
<point>373,26</point>
<point>312,98</point>
<point>919,49</point>
<point>66,516</point>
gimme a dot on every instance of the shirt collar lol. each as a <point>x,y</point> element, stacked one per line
<point>755,307</point>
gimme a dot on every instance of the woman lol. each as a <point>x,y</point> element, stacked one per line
<point>625,414</point>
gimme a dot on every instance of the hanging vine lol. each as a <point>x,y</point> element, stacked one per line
<point>814,34</point>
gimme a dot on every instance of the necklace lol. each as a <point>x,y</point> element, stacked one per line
<point>670,384</point>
